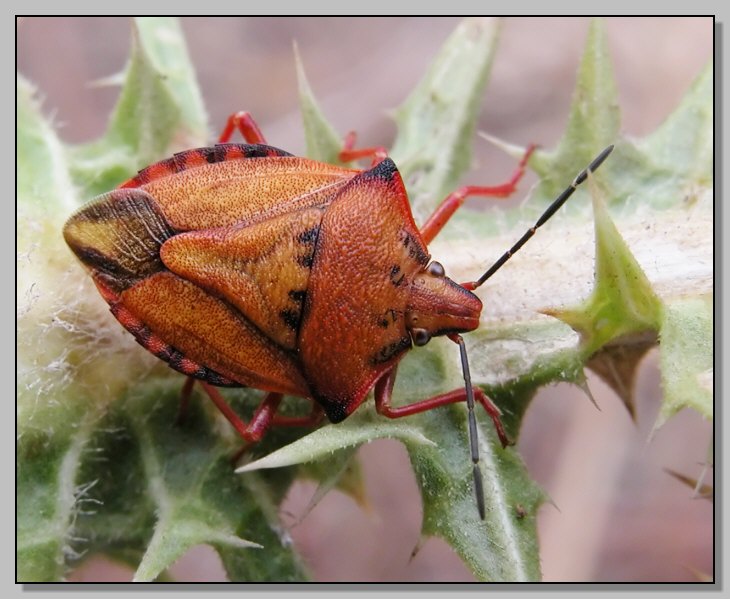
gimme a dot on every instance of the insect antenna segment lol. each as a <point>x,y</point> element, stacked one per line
<point>473,438</point>
<point>552,209</point>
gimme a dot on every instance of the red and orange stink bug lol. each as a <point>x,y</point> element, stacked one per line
<point>242,265</point>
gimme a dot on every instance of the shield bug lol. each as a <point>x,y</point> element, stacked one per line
<point>242,265</point>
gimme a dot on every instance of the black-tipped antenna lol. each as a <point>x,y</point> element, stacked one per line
<point>473,438</point>
<point>552,209</point>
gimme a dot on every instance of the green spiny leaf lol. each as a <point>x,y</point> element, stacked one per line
<point>164,46</point>
<point>622,303</point>
<point>341,471</point>
<point>360,428</point>
<point>687,357</point>
<point>594,118</point>
<point>55,415</point>
<point>436,124</point>
<point>178,491</point>
<point>322,140</point>
<point>152,115</point>
<point>683,146</point>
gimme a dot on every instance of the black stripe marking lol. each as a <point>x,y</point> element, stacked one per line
<point>214,154</point>
<point>298,295</point>
<point>291,318</point>
<point>384,171</point>
<point>394,278</point>
<point>309,237</point>
<point>390,351</point>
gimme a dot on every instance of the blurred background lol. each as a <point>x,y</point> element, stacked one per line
<point>617,514</point>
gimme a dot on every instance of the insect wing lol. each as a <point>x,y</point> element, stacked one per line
<point>261,269</point>
<point>243,190</point>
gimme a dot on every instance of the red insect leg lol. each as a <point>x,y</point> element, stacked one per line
<point>348,153</point>
<point>263,418</point>
<point>185,393</point>
<point>244,122</point>
<point>456,199</point>
<point>311,419</point>
<point>384,391</point>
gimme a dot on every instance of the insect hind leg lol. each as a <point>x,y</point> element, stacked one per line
<point>384,390</point>
<point>262,420</point>
<point>456,199</point>
<point>350,153</point>
<point>248,127</point>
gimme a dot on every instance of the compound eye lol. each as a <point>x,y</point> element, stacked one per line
<point>420,337</point>
<point>436,269</point>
